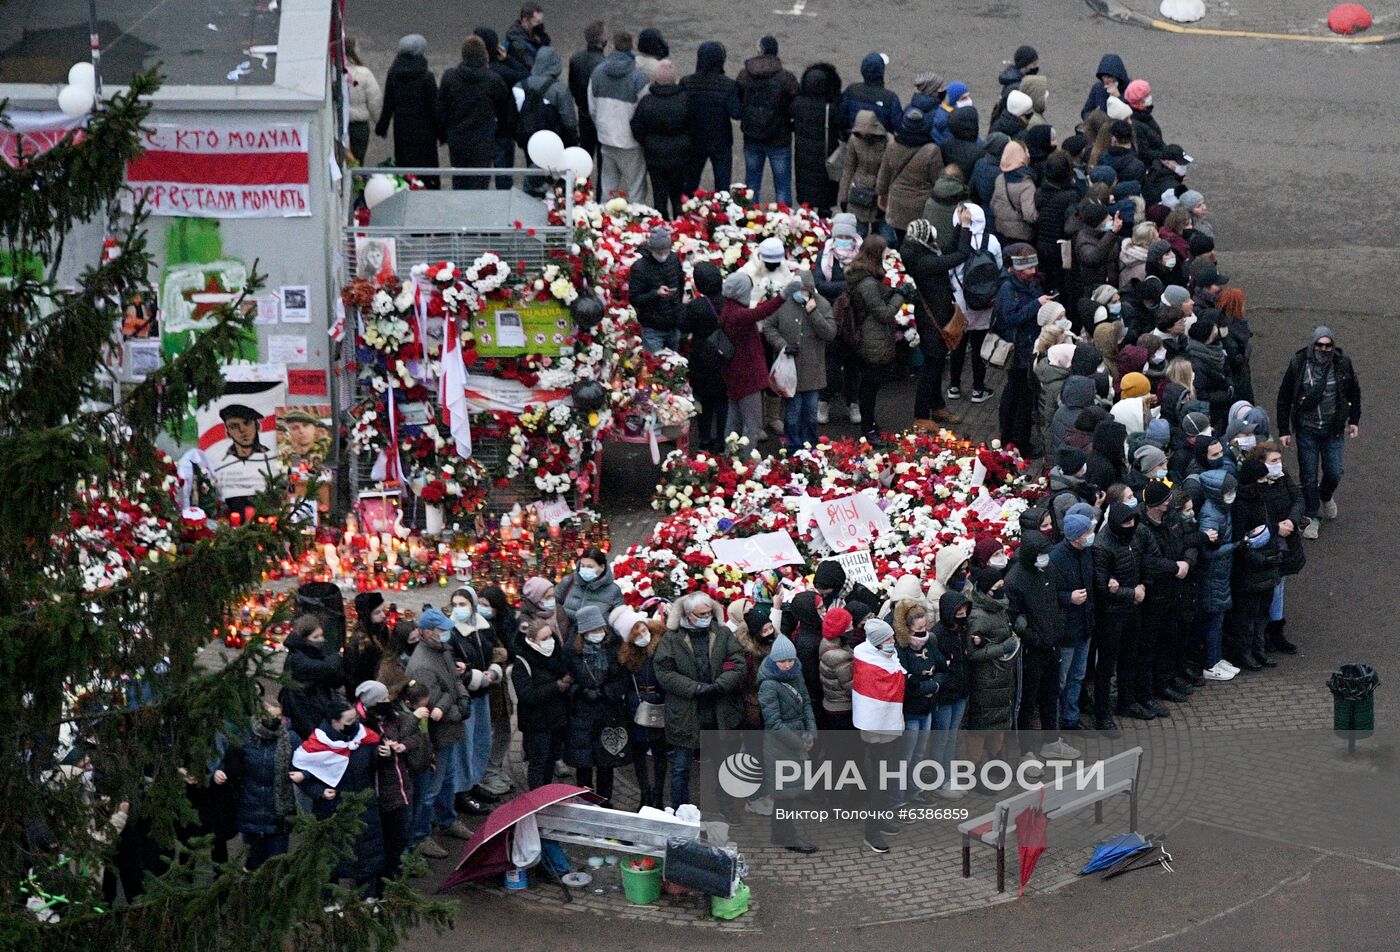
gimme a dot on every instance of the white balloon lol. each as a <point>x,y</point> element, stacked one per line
<point>82,74</point>
<point>546,149</point>
<point>75,100</point>
<point>578,161</point>
<point>378,188</point>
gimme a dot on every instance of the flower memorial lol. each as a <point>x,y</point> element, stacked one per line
<point>925,484</point>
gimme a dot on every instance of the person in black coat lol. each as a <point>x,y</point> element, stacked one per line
<point>962,148</point>
<point>817,131</point>
<point>259,770</point>
<point>766,94</point>
<point>699,321</point>
<point>542,684</point>
<point>933,309</point>
<point>1120,155</point>
<point>317,673</point>
<point>1118,590</point>
<point>1167,552</point>
<point>1074,589</point>
<point>803,624</point>
<point>1053,201</point>
<point>713,99</point>
<point>326,790</point>
<point>1255,573</point>
<point>1035,615</point>
<point>1108,462</point>
<point>410,103</point>
<point>655,289</point>
<point>476,109</point>
<point>661,124</point>
<point>1277,503</point>
<point>512,72</point>
<point>596,701</point>
<point>581,67</point>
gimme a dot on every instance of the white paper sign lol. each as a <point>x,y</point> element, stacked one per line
<point>851,522</point>
<point>979,472</point>
<point>268,310</point>
<point>860,568</point>
<point>757,553</point>
<point>984,506</point>
<point>286,349</point>
<point>510,330</point>
<point>296,304</point>
<point>143,357</point>
<point>554,511</point>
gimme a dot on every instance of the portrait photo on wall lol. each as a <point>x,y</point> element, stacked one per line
<point>139,318</point>
<point>376,258</point>
<point>238,434</point>
<point>304,434</point>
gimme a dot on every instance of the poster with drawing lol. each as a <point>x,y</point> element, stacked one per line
<point>238,432</point>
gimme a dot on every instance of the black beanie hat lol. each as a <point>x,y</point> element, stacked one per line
<point>829,575</point>
<point>754,620</point>
<point>1156,493</point>
<point>1093,213</point>
<point>859,613</point>
<point>1252,471</point>
<point>1025,56</point>
<point>768,46</point>
<point>1075,144</point>
<point>1070,460</point>
<point>1200,330</point>
<point>366,603</point>
<point>1201,244</point>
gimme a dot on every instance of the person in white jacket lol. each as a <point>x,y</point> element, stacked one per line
<point>771,272</point>
<point>366,100</point>
<point>614,90</point>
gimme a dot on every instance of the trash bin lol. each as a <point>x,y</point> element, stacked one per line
<point>326,602</point>
<point>641,884</point>
<point>1353,688</point>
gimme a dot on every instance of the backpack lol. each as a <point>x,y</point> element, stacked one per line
<point>761,115</point>
<point>536,114</point>
<point>981,277</point>
<point>847,327</point>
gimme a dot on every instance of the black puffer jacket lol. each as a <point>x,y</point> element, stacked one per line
<point>539,704</point>
<point>596,700</point>
<point>1030,596</point>
<point>766,94</point>
<point>933,305</point>
<point>318,674</point>
<point>817,131</point>
<point>661,124</point>
<point>962,148</point>
<point>1160,546</point>
<point>648,277</point>
<point>1269,503</point>
<point>475,109</point>
<point>1116,560</point>
<point>992,650</point>
<point>922,682</point>
<point>954,681</point>
<point>713,99</point>
<point>803,625</point>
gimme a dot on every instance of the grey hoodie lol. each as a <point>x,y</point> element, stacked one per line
<point>544,79</point>
<point>613,93</point>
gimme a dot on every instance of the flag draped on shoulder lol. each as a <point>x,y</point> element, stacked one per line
<point>877,691</point>
<point>326,759</point>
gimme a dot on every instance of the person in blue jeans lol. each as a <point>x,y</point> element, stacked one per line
<point>1319,405</point>
<point>918,655</point>
<point>951,673</point>
<point>1217,567</point>
<point>1074,590</point>
<point>766,96</point>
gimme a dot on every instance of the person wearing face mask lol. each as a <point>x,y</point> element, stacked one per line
<point>1169,553</point>
<point>1277,503</point>
<point>473,644</point>
<point>1246,425</point>
<point>989,562</point>
<point>877,711</point>
<point>1217,561</point>
<point>1210,454</point>
<point>1073,562</point>
<point>789,731</point>
<point>1035,613</point>
<point>1319,403</point>
<point>338,759</point>
<point>399,739</point>
<point>596,701</point>
<point>701,668</point>
<point>364,648</point>
<point>954,683</point>
<point>746,374</point>
<point>259,771</point>
<point>1210,370</point>
<point>590,583</point>
<point>1110,79</point>
<point>842,365</point>
<point>1257,569</point>
<point>802,622</point>
<point>542,684</point>
<point>1149,463</point>
<point>755,630</point>
<point>1119,591</point>
<point>656,289</point>
<point>640,636</point>
<point>918,656</point>
<point>317,674</point>
<point>1146,131</point>
<point>993,651</point>
<point>950,569</point>
<point>835,659</point>
<point>536,605</point>
<point>433,665</point>
<point>495,607</point>
<point>803,326</point>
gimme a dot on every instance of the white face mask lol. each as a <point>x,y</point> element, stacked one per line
<point>998,561</point>
<point>548,606</point>
<point>1228,500</point>
<point>545,648</point>
<point>1275,470</point>
<point>595,637</point>
<point>1062,324</point>
<point>965,101</point>
<point>1169,261</point>
<point>1160,356</point>
<point>1146,103</point>
<point>643,640</point>
<point>1246,441</point>
<point>1041,561</point>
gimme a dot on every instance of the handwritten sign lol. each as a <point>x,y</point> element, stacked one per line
<point>851,522</point>
<point>985,507</point>
<point>860,568</point>
<point>757,553</point>
<point>224,170</point>
<point>553,511</point>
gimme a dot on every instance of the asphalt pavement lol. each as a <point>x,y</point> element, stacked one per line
<point>1295,151</point>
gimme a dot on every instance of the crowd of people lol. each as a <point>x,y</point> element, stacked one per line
<point>1084,266</point>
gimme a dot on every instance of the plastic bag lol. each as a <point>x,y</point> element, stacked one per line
<point>783,377</point>
<point>525,844</point>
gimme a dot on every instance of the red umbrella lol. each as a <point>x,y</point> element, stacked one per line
<point>488,851</point>
<point>1031,838</point>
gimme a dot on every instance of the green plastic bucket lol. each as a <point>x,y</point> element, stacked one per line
<point>722,908</point>
<point>642,886</point>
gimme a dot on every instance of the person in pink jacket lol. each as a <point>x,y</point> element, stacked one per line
<point>746,374</point>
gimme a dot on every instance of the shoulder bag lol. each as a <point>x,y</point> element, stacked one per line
<point>648,713</point>
<point>719,342</point>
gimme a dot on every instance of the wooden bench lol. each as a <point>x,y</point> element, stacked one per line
<point>602,829</point>
<point>1120,776</point>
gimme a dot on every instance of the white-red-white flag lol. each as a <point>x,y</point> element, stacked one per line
<point>452,391</point>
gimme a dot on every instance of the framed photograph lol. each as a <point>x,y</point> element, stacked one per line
<point>376,259</point>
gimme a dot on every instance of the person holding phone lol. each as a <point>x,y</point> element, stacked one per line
<point>802,327</point>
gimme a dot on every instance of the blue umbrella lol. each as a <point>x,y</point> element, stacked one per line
<point>1112,850</point>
